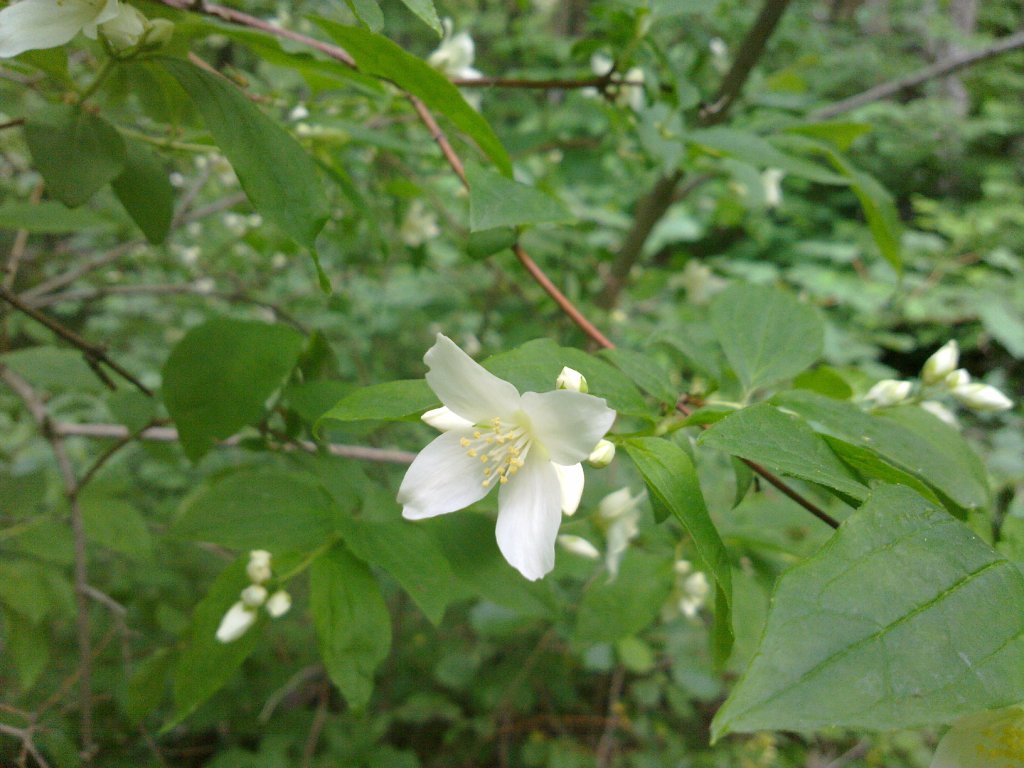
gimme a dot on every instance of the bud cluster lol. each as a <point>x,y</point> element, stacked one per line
<point>690,592</point>
<point>243,614</point>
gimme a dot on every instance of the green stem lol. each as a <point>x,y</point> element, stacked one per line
<point>105,70</point>
<point>308,560</point>
<point>167,143</point>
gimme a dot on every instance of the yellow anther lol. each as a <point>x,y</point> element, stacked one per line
<point>464,442</point>
<point>476,434</point>
<point>471,452</point>
<point>483,458</point>
<point>503,479</point>
<point>487,471</point>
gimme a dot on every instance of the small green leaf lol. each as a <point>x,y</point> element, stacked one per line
<point>766,333</point>
<point>49,217</point>
<point>426,12</point>
<point>75,151</point>
<point>218,377</point>
<point>29,647</point>
<point>114,523</point>
<point>783,443</point>
<point>646,373</point>
<point>145,191</point>
<point>389,401</point>
<point>904,619</point>
<point>376,55</point>
<point>258,508</point>
<point>352,622</point>
<point>761,153</point>
<point>673,484</point>
<point>368,12</point>
<point>611,610</point>
<point>879,209</point>
<point>495,201</point>
<point>484,243</point>
<point>279,177</point>
<point>53,369</point>
<point>148,686</point>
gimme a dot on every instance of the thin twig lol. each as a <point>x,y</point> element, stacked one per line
<point>317,726</point>
<point>567,84</point>
<point>20,240</point>
<point>907,82</point>
<point>606,744</point>
<point>94,354</point>
<point>12,123</point>
<point>442,141</point>
<point>25,736</point>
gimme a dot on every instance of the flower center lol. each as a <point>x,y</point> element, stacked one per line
<point>500,448</point>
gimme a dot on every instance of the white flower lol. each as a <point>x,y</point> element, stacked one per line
<point>35,24</point>
<point>454,56</point>
<point>529,444</point>
<point>236,622</point>
<point>982,397</point>
<point>279,604</point>
<point>939,411</point>
<point>572,380</point>
<point>889,392</point>
<point>126,29</point>
<point>957,379</point>
<point>258,568</point>
<point>942,363</point>
<point>254,595</point>
<point>771,183</point>
<point>602,455</point>
<point>695,593</point>
<point>985,740</point>
<point>620,514</point>
<point>419,225</point>
<point>579,546</point>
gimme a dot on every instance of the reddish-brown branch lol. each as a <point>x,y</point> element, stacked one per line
<point>442,141</point>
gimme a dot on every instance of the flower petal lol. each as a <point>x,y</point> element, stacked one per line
<point>567,424</point>
<point>35,24</point>
<point>465,387</point>
<point>983,740</point>
<point>529,513</point>
<point>445,419</point>
<point>442,479</point>
<point>570,479</point>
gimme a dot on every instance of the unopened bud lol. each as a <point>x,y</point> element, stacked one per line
<point>572,380</point>
<point>957,379</point>
<point>579,546</point>
<point>982,397</point>
<point>159,32</point>
<point>124,30</point>
<point>258,568</point>
<point>602,454</point>
<point>236,622</point>
<point>942,363</point>
<point>254,595</point>
<point>889,392</point>
<point>279,604</point>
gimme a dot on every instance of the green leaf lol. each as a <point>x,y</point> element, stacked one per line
<point>761,153</point>
<point>908,438</point>
<point>766,333</point>
<point>368,12</point>
<point>278,176</point>
<point>218,377</point>
<point>258,508</point>
<point>825,381</point>
<point>646,373</point>
<point>75,151</point>
<point>114,523</point>
<point>673,484</point>
<point>841,134</point>
<point>783,443</point>
<point>49,217</point>
<point>53,369</point>
<point>25,589</point>
<point>29,647</point>
<point>615,609</point>
<point>390,401</point>
<point>879,209</point>
<point>145,191</point>
<point>495,201</point>
<point>410,555</point>
<point>352,622</point>
<point>484,243</point>
<point>904,619</point>
<point>378,56</point>
<point>148,685</point>
<point>205,663</point>
<point>425,11</point>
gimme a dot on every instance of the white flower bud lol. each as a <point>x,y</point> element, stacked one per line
<point>889,392</point>
<point>159,32</point>
<point>579,546</point>
<point>254,595</point>
<point>983,398</point>
<point>696,585</point>
<point>942,363</point>
<point>236,622</point>
<point>602,454</point>
<point>941,412</point>
<point>957,379</point>
<point>258,568</point>
<point>279,604</point>
<point>771,181</point>
<point>571,380</point>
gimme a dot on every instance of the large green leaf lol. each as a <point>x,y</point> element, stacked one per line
<point>495,201</point>
<point>145,191</point>
<point>389,401</point>
<point>368,12</point>
<point>408,553</point>
<point>908,438</point>
<point>672,481</point>
<point>376,55</point>
<point>49,217</point>
<point>783,443</point>
<point>351,620</point>
<point>76,152</point>
<point>258,508</point>
<point>205,663</point>
<point>757,151</point>
<point>614,609</point>
<point>427,13</point>
<point>218,377</point>
<point>904,619</point>
<point>114,523</point>
<point>766,333</point>
<point>279,177</point>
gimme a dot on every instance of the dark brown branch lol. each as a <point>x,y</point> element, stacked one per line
<point>94,355</point>
<point>908,82</point>
<point>18,121</point>
<point>747,56</point>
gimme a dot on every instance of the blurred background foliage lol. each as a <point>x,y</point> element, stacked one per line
<point>507,678</point>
